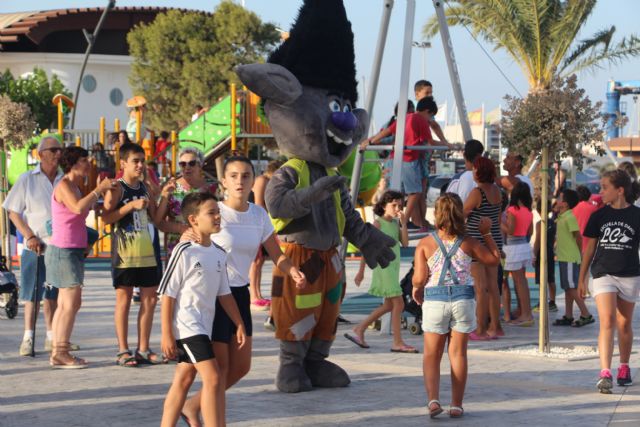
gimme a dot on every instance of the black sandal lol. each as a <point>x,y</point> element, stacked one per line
<point>563,321</point>
<point>126,362</point>
<point>150,358</point>
<point>583,321</point>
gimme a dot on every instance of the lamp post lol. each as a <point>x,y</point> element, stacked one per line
<point>424,46</point>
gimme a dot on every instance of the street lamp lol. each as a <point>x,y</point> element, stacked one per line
<point>424,46</point>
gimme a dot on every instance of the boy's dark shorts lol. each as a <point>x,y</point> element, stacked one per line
<point>223,328</point>
<point>142,277</point>
<point>569,275</point>
<point>194,349</point>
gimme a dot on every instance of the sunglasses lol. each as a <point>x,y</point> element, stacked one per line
<point>53,149</point>
<point>190,163</point>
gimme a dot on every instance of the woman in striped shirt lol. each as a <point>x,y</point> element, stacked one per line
<point>485,201</point>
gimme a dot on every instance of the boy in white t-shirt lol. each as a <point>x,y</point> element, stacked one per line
<point>195,277</point>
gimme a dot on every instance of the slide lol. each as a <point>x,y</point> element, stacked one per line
<point>21,159</point>
<point>211,132</point>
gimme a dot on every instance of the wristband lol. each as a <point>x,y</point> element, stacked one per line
<point>487,234</point>
<point>32,237</point>
<point>95,193</point>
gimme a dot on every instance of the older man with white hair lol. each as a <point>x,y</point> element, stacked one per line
<point>29,208</point>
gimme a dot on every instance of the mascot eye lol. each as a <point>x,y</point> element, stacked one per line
<point>346,108</point>
<point>334,106</point>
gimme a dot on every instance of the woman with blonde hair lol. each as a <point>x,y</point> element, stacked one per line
<point>443,284</point>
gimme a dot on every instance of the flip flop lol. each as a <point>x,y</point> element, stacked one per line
<point>475,337</point>
<point>356,340</point>
<point>405,349</point>
<point>523,323</point>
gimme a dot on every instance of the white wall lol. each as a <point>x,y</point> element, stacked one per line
<point>109,71</point>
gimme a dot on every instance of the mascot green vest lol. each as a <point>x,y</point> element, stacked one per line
<point>308,87</point>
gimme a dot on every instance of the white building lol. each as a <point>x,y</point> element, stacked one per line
<point>53,40</point>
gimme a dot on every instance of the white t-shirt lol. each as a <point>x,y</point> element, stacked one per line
<point>527,181</point>
<point>465,185</point>
<point>241,234</point>
<point>30,196</point>
<point>195,276</point>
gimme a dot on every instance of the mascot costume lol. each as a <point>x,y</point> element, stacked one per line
<point>308,89</point>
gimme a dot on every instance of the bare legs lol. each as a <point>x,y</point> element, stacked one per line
<point>433,351</point>
<point>395,305</point>
<point>522,292</point>
<point>255,277</point>
<point>148,300</point>
<point>413,210</point>
<point>487,298</point>
<point>64,318</point>
<point>211,395</point>
<point>614,313</point>
<point>233,362</point>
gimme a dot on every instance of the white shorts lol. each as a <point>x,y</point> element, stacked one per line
<point>627,288</point>
<point>518,256</point>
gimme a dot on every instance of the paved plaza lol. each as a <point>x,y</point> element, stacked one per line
<point>386,389</point>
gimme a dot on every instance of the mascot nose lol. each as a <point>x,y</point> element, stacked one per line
<point>344,121</point>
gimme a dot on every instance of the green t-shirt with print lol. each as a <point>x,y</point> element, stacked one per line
<point>566,248</point>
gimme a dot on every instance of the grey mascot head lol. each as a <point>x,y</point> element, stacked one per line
<point>309,87</point>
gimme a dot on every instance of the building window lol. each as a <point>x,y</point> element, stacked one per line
<point>116,96</point>
<point>89,83</point>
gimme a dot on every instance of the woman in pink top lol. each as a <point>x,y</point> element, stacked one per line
<point>518,228</point>
<point>64,257</point>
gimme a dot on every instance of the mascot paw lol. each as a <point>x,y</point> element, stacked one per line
<point>323,373</point>
<point>293,379</point>
<point>377,249</point>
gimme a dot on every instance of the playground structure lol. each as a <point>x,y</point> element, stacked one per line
<point>220,129</point>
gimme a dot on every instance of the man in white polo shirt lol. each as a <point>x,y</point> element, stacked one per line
<point>29,208</point>
<point>463,185</point>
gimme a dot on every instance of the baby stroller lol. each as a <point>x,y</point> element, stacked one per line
<point>8,290</point>
<point>410,306</point>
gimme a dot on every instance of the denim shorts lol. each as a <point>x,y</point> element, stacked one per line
<point>447,308</point>
<point>412,177</point>
<point>65,266</point>
<point>28,280</point>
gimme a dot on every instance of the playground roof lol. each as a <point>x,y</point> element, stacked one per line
<point>60,30</point>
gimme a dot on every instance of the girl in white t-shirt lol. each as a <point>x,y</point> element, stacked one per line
<point>244,228</point>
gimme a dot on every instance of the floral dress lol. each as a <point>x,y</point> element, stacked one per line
<point>175,211</point>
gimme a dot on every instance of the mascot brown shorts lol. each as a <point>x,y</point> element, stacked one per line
<point>300,314</point>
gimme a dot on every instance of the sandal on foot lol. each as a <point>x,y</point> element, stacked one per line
<point>405,349</point>
<point>149,358</point>
<point>475,337</point>
<point>126,362</point>
<point>356,340</point>
<point>456,411</point>
<point>583,321</point>
<point>434,412</point>
<point>563,321</point>
<point>76,363</point>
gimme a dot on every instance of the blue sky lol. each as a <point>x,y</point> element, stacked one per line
<point>481,81</point>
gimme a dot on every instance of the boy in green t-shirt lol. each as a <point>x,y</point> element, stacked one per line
<point>568,244</point>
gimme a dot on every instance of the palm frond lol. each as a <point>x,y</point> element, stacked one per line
<point>600,39</point>
<point>628,47</point>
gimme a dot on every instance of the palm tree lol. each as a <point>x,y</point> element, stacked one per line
<point>540,35</point>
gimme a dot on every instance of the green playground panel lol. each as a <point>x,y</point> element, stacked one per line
<point>211,128</point>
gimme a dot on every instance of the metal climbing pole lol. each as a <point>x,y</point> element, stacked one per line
<point>373,86</point>
<point>447,44</point>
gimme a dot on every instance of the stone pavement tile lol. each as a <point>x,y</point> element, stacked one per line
<point>387,388</point>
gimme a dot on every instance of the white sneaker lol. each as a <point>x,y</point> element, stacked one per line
<point>26,347</point>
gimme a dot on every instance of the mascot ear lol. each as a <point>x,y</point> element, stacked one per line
<point>271,82</point>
